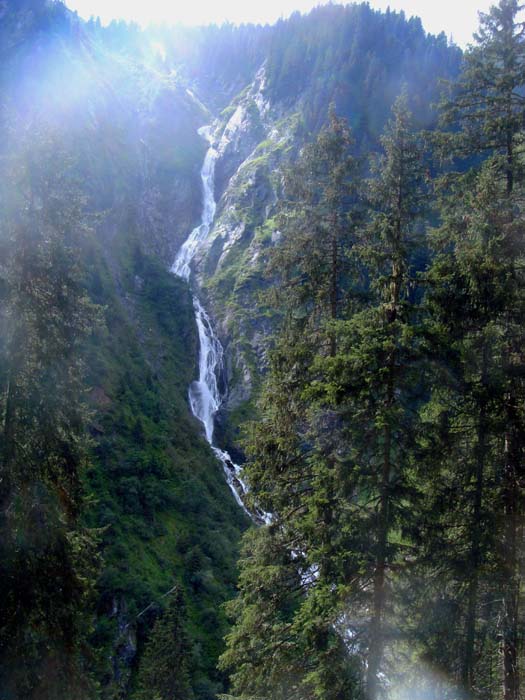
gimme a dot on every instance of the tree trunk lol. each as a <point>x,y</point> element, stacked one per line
<point>9,439</point>
<point>473,583</point>
<point>510,556</point>
<point>377,642</point>
<point>513,458</point>
<point>377,637</point>
<point>334,279</point>
<point>510,163</point>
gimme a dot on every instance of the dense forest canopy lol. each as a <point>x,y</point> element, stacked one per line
<point>358,270</point>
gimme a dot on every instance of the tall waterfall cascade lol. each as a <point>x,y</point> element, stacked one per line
<point>204,394</point>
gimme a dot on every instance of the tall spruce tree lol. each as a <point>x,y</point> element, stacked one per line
<point>488,106</point>
<point>373,379</point>
<point>321,207</point>
<point>487,101</point>
<point>397,198</point>
<point>165,666</point>
<point>468,292</point>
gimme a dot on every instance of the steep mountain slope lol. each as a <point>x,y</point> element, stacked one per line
<point>127,120</point>
<point>157,493</point>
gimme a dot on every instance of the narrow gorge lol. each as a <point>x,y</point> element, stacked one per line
<point>204,394</point>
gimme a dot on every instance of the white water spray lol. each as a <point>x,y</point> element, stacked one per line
<point>181,266</point>
<point>204,394</point>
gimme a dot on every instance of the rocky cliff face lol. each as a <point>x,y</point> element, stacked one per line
<point>254,142</point>
<point>171,153</point>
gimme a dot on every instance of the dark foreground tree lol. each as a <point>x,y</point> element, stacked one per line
<point>47,560</point>
<point>374,380</point>
<point>165,666</point>
<point>468,292</point>
<point>488,106</point>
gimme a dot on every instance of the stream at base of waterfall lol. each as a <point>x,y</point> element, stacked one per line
<point>204,393</point>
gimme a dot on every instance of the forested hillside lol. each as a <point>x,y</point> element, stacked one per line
<point>101,157</point>
<point>348,312</point>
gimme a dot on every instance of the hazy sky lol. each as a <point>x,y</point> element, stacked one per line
<point>458,18</point>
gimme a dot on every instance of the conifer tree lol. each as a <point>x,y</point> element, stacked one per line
<point>468,288</point>
<point>487,101</point>
<point>398,199</point>
<point>321,207</point>
<point>488,107</point>
<point>164,672</point>
<point>373,379</point>
<point>331,457</point>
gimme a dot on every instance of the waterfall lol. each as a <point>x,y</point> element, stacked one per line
<point>204,393</point>
<point>181,266</point>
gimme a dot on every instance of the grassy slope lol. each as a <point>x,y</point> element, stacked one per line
<point>157,491</point>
